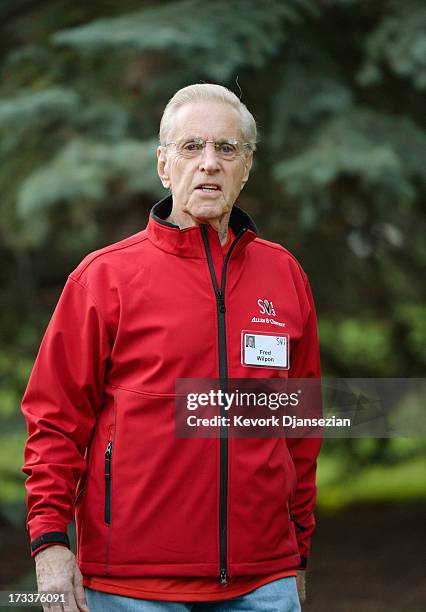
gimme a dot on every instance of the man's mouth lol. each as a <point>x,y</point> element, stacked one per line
<point>208,187</point>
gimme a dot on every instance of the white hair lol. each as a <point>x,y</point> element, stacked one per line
<point>207,91</point>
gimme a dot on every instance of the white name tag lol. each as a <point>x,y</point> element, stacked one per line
<point>265,350</point>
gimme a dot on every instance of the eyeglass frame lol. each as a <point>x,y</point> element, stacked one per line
<point>232,141</point>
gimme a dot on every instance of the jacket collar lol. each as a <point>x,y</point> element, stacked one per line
<point>188,242</point>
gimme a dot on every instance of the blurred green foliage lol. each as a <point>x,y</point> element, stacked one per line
<point>337,88</point>
<point>342,480</point>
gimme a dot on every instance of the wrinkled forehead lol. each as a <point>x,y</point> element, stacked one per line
<point>207,119</point>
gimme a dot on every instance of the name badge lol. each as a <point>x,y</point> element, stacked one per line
<point>267,350</point>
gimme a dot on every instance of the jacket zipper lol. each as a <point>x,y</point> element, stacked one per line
<point>108,483</point>
<point>108,460</point>
<point>223,376</point>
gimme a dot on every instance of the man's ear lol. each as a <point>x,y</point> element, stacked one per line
<point>162,169</point>
<point>248,162</point>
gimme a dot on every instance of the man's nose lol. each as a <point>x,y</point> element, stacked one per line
<point>209,159</point>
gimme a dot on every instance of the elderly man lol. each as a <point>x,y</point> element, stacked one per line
<point>167,523</point>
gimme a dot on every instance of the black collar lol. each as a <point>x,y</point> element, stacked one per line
<point>238,221</point>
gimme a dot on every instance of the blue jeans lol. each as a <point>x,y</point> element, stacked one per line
<point>277,596</point>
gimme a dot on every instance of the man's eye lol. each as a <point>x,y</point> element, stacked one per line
<point>226,148</point>
<point>191,147</point>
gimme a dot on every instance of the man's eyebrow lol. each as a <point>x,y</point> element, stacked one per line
<point>188,137</point>
<point>220,139</point>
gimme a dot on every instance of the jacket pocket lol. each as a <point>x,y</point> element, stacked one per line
<point>161,482</point>
<point>108,479</point>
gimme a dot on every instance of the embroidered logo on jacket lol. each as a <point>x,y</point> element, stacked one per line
<point>266,307</point>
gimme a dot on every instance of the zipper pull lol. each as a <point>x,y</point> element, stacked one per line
<point>108,454</point>
<point>223,577</point>
<point>222,307</point>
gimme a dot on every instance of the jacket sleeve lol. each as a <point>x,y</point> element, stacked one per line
<point>60,403</point>
<point>305,363</point>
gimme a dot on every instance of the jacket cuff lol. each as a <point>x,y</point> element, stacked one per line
<point>50,537</point>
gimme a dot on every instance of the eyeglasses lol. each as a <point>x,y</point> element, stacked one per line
<point>225,149</point>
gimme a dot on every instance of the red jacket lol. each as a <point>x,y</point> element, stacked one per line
<point>134,316</point>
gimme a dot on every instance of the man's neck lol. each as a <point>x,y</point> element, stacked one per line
<point>184,221</point>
